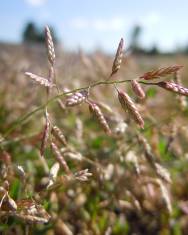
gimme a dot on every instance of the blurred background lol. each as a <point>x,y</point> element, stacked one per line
<point>149,27</point>
<point>126,194</point>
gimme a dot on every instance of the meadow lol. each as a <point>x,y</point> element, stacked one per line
<point>91,143</point>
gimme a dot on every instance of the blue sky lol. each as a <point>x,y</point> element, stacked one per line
<point>99,23</point>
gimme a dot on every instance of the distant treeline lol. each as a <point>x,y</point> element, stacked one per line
<point>34,34</point>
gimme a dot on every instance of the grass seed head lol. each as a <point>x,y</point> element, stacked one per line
<point>137,89</point>
<point>174,87</point>
<point>11,203</point>
<point>20,171</point>
<point>77,98</point>
<point>97,113</point>
<point>60,158</point>
<point>165,196</point>
<point>128,105</point>
<point>161,72</point>
<point>82,175</point>
<point>118,58</point>
<point>163,173</point>
<point>49,46</point>
<point>45,134</point>
<point>181,99</point>
<point>58,134</point>
<point>42,81</point>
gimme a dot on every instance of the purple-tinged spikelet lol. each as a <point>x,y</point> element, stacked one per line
<point>45,134</point>
<point>60,158</point>
<point>181,99</point>
<point>97,113</point>
<point>161,72</point>
<point>49,46</point>
<point>42,81</point>
<point>82,175</point>
<point>137,89</point>
<point>118,58</point>
<point>174,87</point>
<point>58,134</point>
<point>128,105</point>
<point>77,98</point>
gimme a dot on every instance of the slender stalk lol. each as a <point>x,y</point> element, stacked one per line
<point>20,121</point>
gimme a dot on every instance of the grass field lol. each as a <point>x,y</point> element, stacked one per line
<point>137,179</point>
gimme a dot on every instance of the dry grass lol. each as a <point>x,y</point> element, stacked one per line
<point>81,180</point>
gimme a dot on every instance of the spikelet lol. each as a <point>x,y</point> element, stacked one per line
<point>171,86</point>
<point>77,98</point>
<point>120,128</point>
<point>32,219</point>
<point>45,134</point>
<point>42,81</point>
<point>118,58</point>
<point>147,150</point>
<point>127,104</point>
<point>53,174</point>
<point>49,46</point>
<point>54,170</point>
<point>165,195</point>
<point>31,212</point>
<point>11,203</point>
<point>60,158</point>
<point>20,171</point>
<point>163,173</point>
<point>82,175</point>
<point>97,113</point>
<point>137,89</point>
<point>161,72</point>
<point>58,134</point>
<point>181,99</point>
<point>74,155</point>
<point>132,158</point>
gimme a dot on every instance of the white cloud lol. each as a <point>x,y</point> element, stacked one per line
<point>112,24</point>
<point>36,2</point>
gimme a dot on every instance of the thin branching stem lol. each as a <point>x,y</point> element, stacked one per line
<point>21,120</point>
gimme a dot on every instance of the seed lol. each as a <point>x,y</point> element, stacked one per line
<point>97,113</point>
<point>128,105</point>
<point>77,98</point>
